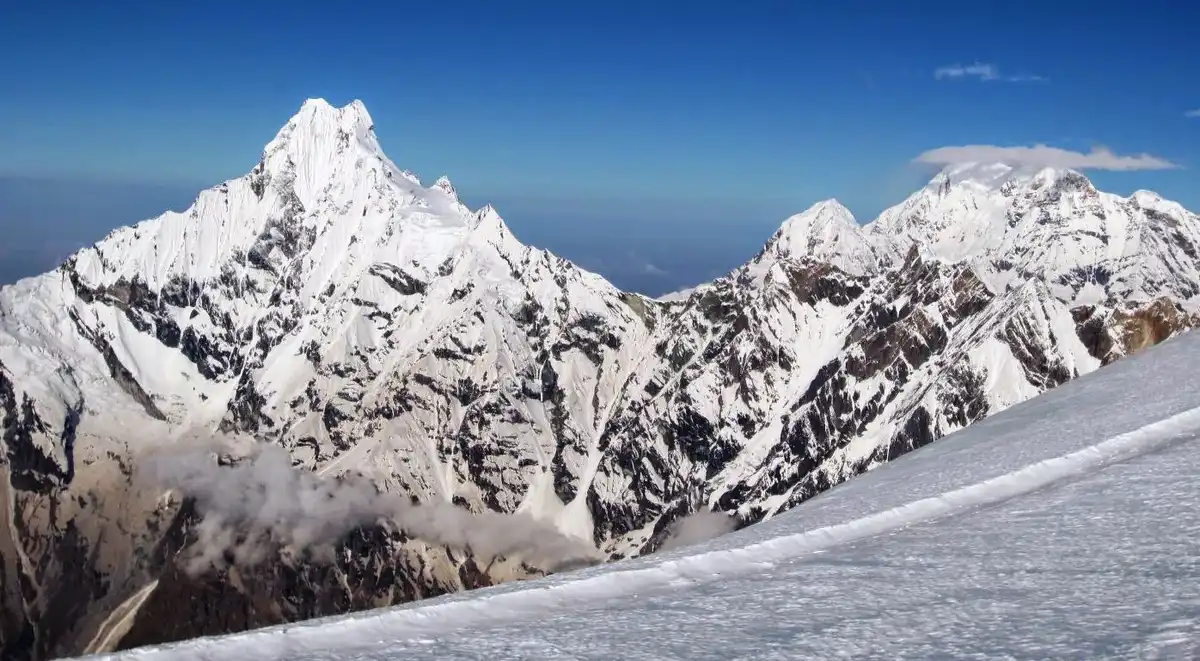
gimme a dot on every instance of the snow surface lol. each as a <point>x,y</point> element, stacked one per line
<point>1064,527</point>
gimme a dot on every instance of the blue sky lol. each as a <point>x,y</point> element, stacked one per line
<point>586,122</point>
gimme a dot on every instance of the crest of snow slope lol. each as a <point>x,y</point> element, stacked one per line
<point>1015,224</point>
<point>1037,514</point>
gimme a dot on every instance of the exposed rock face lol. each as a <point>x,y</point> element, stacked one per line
<point>1110,334</point>
<point>371,568</point>
<point>329,303</point>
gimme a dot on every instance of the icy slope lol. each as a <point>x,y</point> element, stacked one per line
<point>331,304</point>
<point>1064,527</point>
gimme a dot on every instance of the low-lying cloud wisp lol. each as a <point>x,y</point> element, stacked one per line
<point>697,527</point>
<point>261,504</point>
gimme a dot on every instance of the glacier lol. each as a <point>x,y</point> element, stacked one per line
<point>1064,527</point>
<point>330,304</point>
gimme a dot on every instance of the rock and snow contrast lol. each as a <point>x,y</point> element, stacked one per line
<point>1062,528</point>
<point>331,305</point>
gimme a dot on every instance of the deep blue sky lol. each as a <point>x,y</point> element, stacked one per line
<point>688,130</point>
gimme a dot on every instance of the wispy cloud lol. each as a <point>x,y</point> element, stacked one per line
<point>977,70</point>
<point>982,71</point>
<point>643,266</point>
<point>1192,114</point>
<point>1099,158</point>
<point>651,269</point>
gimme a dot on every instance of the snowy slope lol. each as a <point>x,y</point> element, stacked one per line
<point>331,304</point>
<point>1064,527</point>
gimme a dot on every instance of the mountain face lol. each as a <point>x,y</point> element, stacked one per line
<point>330,304</point>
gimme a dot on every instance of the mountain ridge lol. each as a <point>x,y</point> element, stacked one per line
<point>329,303</point>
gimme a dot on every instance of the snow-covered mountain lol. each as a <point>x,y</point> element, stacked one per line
<point>1064,527</point>
<point>329,303</point>
<point>1015,224</point>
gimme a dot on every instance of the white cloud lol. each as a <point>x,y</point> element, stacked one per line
<point>1192,113</point>
<point>982,72</point>
<point>1100,158</point>
<point>651,269</point>
<point>644,266</point>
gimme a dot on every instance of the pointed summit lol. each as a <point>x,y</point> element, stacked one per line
<point>1157,204</point>
<point>317,119</point>
<point>1062,180</point>
<point>320,144</point>
<point>488,226</point>
<point>820,224</point>
<point>488,221</point>
<point>827,232</point>
<point>355,110</point>
<point>443,184</point>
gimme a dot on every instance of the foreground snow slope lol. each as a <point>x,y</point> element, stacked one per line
<point>1065,527</point>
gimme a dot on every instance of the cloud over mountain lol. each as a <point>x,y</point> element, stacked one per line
<point>1099,158</point>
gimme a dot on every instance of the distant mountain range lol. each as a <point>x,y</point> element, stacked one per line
<point>331,304</point>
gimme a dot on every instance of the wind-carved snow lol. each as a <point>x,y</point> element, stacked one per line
<point>330,303</point>
<point>1078,458</point>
